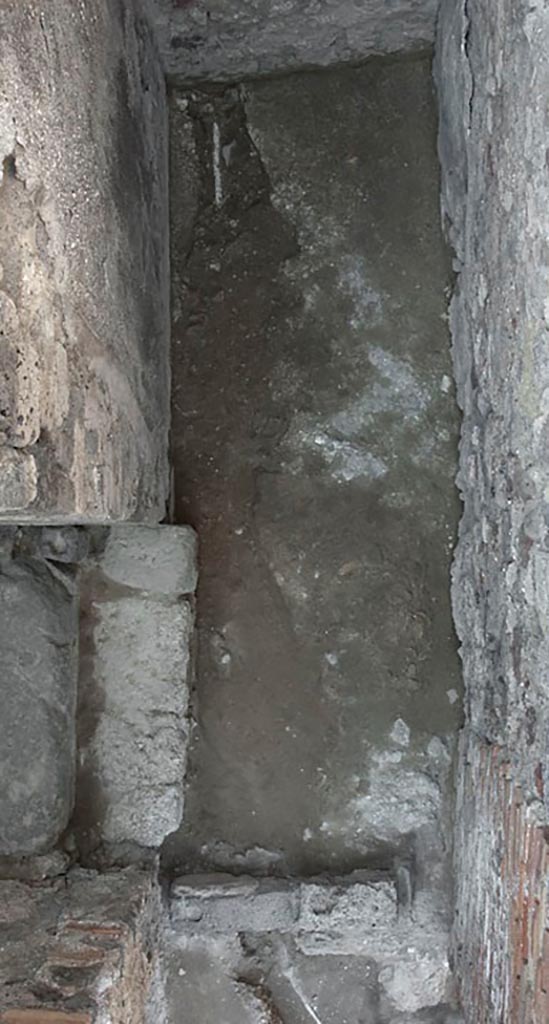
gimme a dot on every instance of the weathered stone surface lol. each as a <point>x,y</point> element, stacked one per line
<point>219,904</point>
<point>83,264</point>
<point>162,559</point>
<point>499,326</point>
<point>38,654</point>
<point>134,687</point>
<point>231,40</point>
<point>81,950</point>
<point>493,80</point>
<point>348,919</point>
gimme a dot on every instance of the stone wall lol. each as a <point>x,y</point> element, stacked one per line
<point>84,395</point>
<point>227,40</point>
<point>81,948</point>
<point>493,80</point>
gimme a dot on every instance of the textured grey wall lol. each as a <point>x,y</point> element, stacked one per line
<point>84,393</point>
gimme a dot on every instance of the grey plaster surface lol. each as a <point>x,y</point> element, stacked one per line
<point>314,446</point>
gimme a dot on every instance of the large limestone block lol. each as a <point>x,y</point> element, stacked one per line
<point>38,655</point>
<point>83,264</point>
<point>136,633</point>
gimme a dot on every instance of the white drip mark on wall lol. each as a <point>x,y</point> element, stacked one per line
<point>216,157</point>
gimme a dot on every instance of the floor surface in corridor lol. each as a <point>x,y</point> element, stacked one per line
<point>314,445</point>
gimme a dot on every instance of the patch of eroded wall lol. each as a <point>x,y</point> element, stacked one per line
<point>493,80</point>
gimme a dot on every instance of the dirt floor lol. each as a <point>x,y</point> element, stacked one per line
<point>314,449</point>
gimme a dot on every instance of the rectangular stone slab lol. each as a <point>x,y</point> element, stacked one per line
<point>84,392</point>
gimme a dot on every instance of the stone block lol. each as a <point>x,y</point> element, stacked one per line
<point>136,637</point>
<point>84,280</point>
<point>138,750</point>
<point>38,653</point>
<point>160,559</point>
<point>221,904</point>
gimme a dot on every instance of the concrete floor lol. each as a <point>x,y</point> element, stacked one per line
<point>314,447</point>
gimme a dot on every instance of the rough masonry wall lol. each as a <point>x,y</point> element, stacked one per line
<point>83,264</point>
<point>227,40</point>
<point>81,948</point>
<point>493,80</point>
